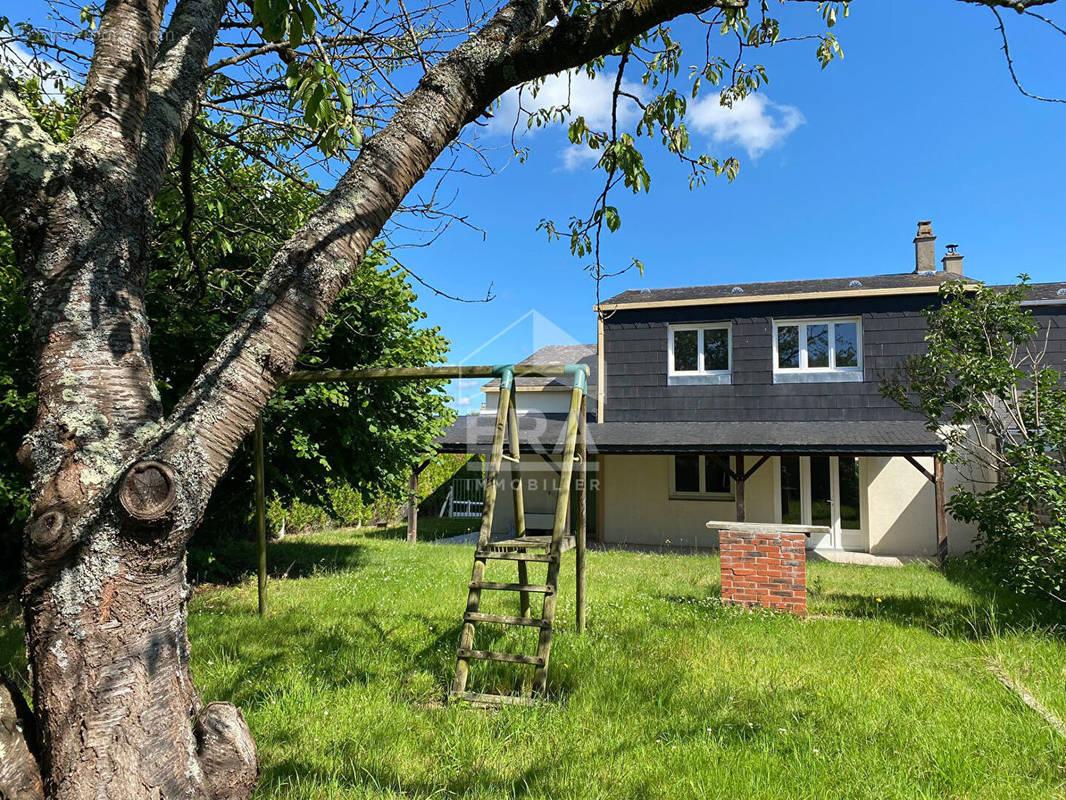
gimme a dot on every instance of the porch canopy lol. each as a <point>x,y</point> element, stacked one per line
<point>544,434</point>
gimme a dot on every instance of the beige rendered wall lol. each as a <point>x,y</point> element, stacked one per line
<point>544,401</point>
<point>638,509</point>
<point>899,505</point>
<point>901,509</point>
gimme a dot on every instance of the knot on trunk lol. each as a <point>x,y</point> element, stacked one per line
<point>20,775</point>
<point>46,529</point>
<point>227,752</point>
<point>149,491</point>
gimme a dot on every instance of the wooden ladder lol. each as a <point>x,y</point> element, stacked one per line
<point>523,549</point>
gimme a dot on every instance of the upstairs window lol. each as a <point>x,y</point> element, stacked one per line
<point>699,353</point>
<point>817,349</point>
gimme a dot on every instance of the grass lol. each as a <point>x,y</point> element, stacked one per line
<point>882,693</point>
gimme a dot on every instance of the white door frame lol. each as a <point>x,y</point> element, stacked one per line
<point>838,538</point>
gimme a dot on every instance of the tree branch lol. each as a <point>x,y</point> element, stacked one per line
<point>1010,63</point>
<point>25,152</point>
<point>116,89</point>
<point>310,270</point>
<point>177,77</point>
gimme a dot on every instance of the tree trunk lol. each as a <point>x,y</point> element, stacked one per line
<point>116,707</point>
<point>117,490</point>
<point>116,714</point>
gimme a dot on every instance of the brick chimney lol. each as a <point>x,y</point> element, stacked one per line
<point>925,247</point>
<point>952,260</point>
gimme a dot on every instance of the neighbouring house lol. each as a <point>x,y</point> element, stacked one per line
<point>758,402</point>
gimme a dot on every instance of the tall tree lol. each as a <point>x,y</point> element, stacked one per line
<point>119,486</point>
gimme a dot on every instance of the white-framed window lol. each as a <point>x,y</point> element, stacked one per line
<point>700,477</point>
<point>699,353</point>
<point>817,350</point>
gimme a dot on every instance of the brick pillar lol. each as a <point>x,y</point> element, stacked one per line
<point>764,569</point>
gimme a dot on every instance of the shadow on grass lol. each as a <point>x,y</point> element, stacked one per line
<point>993,612</point>
<point>233,561</point>
<point>1002,605</point>
<point>430,529</point>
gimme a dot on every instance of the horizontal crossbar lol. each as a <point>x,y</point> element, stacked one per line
<point>438,371</point>
<point>491,655</point>
<point>512,587</point>
<point>480,699</point>
<point>503,555</point>
<point>503,619</point>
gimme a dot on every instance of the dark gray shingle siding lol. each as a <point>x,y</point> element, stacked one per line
<point>893,329</point>
<point>636,348</point>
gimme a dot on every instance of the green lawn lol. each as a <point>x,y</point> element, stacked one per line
<point>882,693</point>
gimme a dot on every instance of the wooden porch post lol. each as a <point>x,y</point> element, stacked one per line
<point>941,515</point>
<point>739,485</point>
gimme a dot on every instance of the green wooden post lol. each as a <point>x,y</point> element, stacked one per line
<point>518,494</point>
<point>561,528</point>
<point>477,575</point>
<point>260,515</point>
<point>582,510</point>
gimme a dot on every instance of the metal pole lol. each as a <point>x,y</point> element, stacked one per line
<point>260,515</point>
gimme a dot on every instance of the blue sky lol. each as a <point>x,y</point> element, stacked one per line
<point>919,121</point>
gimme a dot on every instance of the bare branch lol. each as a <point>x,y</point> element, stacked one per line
<point>310,270</point>
<point>1010,63</point>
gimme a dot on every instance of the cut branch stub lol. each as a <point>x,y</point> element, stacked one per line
<point>149,491</point>
<point>46,530</point>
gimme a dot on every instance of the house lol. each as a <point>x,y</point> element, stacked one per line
<point>757,402</point>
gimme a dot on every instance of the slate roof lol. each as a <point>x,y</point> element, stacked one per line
<point>1046,291</point>
<point>557,354</point>
<point>545,433</point>
<point>904,280</point>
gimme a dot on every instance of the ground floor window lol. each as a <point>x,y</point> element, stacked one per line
<point>698,476</point>
<point>823,491</point>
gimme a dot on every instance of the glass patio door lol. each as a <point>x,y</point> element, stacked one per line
<point>824,491</point>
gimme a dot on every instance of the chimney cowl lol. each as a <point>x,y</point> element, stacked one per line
<point>952,260</point>
<point>925,247</point>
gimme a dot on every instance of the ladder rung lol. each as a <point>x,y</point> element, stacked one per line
<point>503,619</point>
<point>512,587</point>
<point>491,655</point>
<point>495,699</point>
<point>512,459</point>
<point>501,555</point>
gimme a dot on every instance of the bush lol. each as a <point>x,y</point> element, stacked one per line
<point>983,386</point>
<point>349,511</point>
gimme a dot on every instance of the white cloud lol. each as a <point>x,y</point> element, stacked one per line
<point>756,123</point>
<point>586,97</point>
<point>21,63</point>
